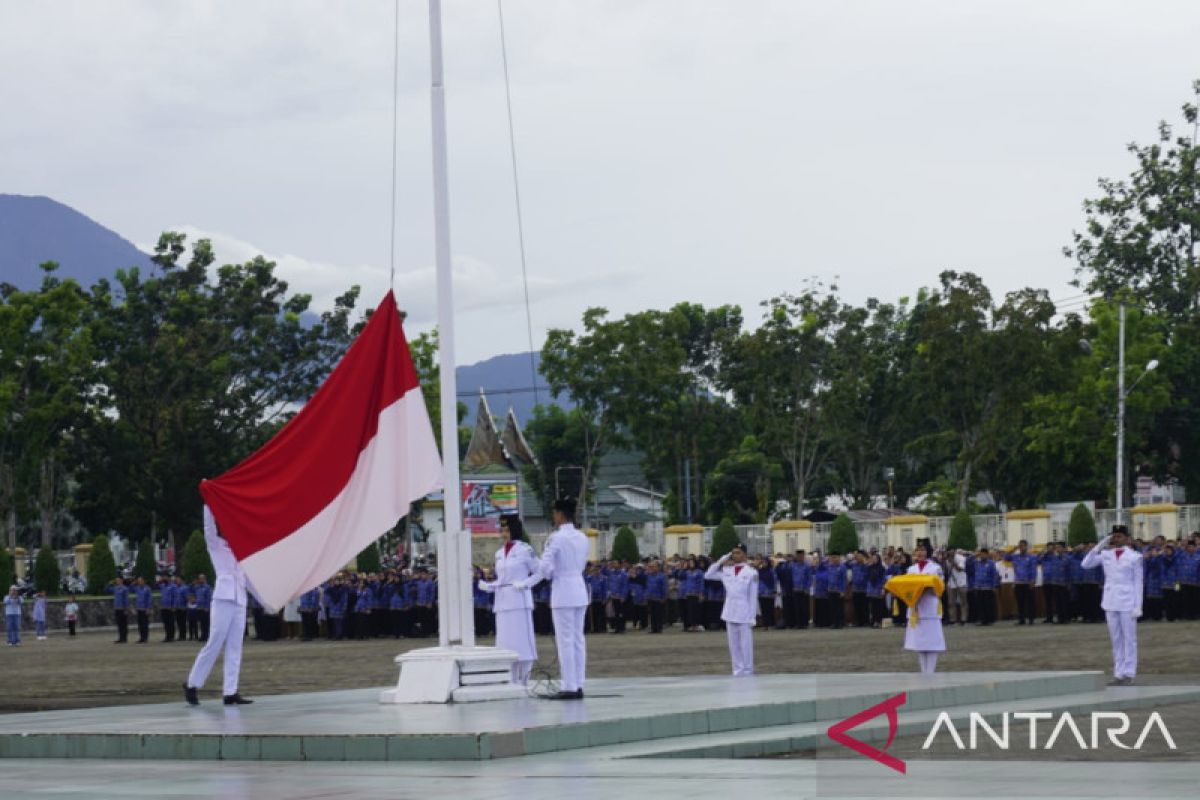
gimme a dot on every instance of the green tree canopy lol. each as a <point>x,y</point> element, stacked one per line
<point>368,560</point>
<point>962,532</point>
<point>843,536</point>
<point>1082,527</point>
<point>625,546</point>
<point>101,569</point>
<point>195,560</point>
<point>145,566</point>
<point>724,538</point>
<point>46,574</point>
<point>7,571</point>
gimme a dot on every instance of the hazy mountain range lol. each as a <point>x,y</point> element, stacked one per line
<point>38,229</point>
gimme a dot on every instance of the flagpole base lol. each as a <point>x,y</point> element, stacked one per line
<point>454,674</point>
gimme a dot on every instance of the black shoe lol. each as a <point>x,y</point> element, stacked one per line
<point>575,695</point>
<point>189,694</point>
<point>236,700</point>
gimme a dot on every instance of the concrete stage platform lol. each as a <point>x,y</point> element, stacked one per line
<point>684,717</point>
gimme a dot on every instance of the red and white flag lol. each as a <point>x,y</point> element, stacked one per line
<point>338,476</point>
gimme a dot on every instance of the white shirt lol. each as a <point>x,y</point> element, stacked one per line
<point>741,590</point>
<point>516,565</point>
<point>563,561</point>
<point>231,580</point>
<point>1122,577</point>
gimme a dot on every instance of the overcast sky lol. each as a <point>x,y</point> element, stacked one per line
<point>670,149</point>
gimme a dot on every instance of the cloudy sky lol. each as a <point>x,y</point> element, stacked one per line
<point>706,150</point>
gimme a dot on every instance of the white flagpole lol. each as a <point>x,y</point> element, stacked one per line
<point>456,623</point>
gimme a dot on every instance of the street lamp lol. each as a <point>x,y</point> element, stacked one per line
<point>1122,393</point>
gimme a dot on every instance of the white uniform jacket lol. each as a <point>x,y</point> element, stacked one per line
<point>741,590</point>
<point>231,579</point>
<point>563,561</point>
<point>1122,577</point>
<point>518,564</point>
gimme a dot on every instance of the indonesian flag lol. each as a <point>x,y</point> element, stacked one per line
<point>338,476</point>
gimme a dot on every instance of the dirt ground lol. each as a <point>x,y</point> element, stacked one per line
<point>90,670</point>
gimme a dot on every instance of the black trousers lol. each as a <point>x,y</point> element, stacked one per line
<point>878,611</point>
<point>1062,603</point>
<point>789,609</point>
<point>122,618</point>
<point>1024,593</point>
<point>801,602</point>
<point>181,624</point>
<point>691,616</point>
<point>1171,603</point>
<point>837,610</point>
<point>204,618</point>
<point>861,614</point>
<point>596,621</point>
<point>168,621</point>
<point>1153,608</point>
<point>656,608</point>
<point>618,617</point>
<point>1190,601</point>
<point>1048,597</point>
<point>143,625</point>
<point>985,599</point>
<point>821,612</point>
<point>308,625</point>
<point>766,610</point>
<point>70,627</point>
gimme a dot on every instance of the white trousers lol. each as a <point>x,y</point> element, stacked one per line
<point>927,661</point>
<point>1122,629</point>
<point>225,632</point>
<point>741,647</point>
<point>572,652</point>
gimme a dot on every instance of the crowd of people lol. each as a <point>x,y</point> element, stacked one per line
<point>797,591</point>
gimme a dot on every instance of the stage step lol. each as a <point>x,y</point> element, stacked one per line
<point>353,726</point>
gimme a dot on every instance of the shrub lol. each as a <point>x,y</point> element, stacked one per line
<point>724,538</point>
<point>101,570</point>
<point>146,566</point>
<point>8,573</point>
<point>368,559</point>
<point>962,532</point>
<point>1082,527</point>
<point>46,575</point>
<point>195,559</point>
<point>843,537</point>
<point>625,546</point>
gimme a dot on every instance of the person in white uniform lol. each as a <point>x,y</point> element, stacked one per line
<point>513,607</point>
<point>741,606</point>
<point>1122,598</point>
<point>563,562</point>
<point>227,620</point>
<point>925,636</point>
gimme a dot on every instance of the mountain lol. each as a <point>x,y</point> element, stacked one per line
<point>38,229</point>
<point>507,381</point>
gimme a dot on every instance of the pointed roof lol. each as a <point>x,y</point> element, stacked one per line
<point>515,446</point>
<point>485,448</point>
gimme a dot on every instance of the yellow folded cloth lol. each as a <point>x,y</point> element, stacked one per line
<point>909,588</point>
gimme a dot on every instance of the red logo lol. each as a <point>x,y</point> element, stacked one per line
<point>837,732</point>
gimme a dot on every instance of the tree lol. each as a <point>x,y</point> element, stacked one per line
<point>46,575</point>
<point>962,532</point>
<point>740,485</point>
<point>368,559</point>
<point>843,536</point>
<point>559,441</point>
<point>7,571</point>
<point>724,538</point>
<point>101,569</point>
<point>779,376</point>
<point>625,546</point>
<point>1082,527</point>
<point>146,566</point>
<point>1141,243</point>
<point>195,560</point>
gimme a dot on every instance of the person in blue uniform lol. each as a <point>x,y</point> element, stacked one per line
<point>310,607</point>
<point>1170,582</point>
<point>766,592</point>
<point>204,597</point>
<point>876,577</point>
<point>166,608</point>
<point>426,600</point>
<point>898,609</point>
<point>787,597</point>
<point>482,602</point>
<point>597,587</point>
<point>692,588</point>
<point>618,590</point>
<point>986,582</point>
<point>635,602</point>
<point>1025,567</point>
<point>143,603</point>
<point>1054,583</point>
<point>543,618</point>
<point>180,607</point>
<point>820,593</point>
<point>120,593</point>
<point>835,585</point>
<point>1152,582</point>
<point>1089,583</point>
<point>337,601</point>
<point>656,596</point>
<point>714,600</point>
<point>364,604</point>
<point>1188,574</point>
<point>802,579</point>
<point>858,589</point>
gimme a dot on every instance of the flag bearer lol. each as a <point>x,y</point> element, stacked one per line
<point>740,581</point>
<point>1122,599</point>
<point>513,606</point>
<point>924,635</point>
